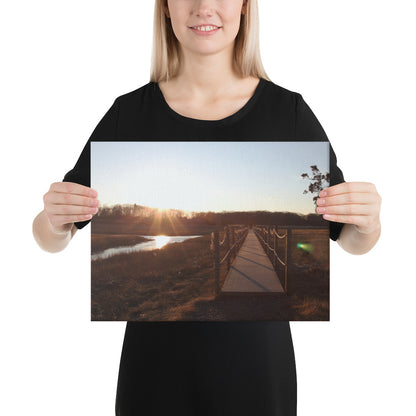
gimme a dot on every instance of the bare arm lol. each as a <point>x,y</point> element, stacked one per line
<point>357,205</point>
<point>65,203</point>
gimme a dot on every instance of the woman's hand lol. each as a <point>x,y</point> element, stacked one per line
<point>356,203</point>
<point>69,202</point>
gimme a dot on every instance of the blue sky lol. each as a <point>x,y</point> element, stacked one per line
<point>207,176</point>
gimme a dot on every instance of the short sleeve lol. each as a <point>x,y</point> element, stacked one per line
<point>106,130</point>
<point>308,127</point>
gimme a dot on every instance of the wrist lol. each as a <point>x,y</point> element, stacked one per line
<point>61,230</point>
<point>368,230</point>
<point>47,237</point>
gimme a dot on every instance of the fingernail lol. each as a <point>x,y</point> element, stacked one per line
<point>322,193</point>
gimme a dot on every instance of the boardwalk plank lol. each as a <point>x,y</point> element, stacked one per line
<point>251,270</point>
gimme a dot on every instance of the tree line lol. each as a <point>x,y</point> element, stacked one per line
<point>140,212</point>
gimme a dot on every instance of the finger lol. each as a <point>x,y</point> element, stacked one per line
<point>349,209</point>
<point>59,198</point>
<point>348,187</point>
<point>71,210</point>
<point>73,188</point>
<point>351,198</point>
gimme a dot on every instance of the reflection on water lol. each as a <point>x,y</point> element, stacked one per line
<point>161,240</point>
<point>157,242</point>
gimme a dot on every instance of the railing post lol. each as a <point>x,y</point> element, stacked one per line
<point>274,248</point>
<point>216,261</point>
<point>234,251</point>
<point>227,246</point>
<point>268,241</point>
<point>288,257</point>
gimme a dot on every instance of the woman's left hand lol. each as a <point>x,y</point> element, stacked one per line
<point>356,203</point>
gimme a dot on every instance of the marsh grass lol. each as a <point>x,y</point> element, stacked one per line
<point>147,284</point>
<point>176,282</point>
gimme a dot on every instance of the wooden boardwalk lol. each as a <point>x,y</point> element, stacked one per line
<point>251,270</point>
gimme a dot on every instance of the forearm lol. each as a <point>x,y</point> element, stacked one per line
<point>354,242</point>
<point>48,239</point>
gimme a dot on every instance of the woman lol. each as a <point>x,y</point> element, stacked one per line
<point>208,83</point>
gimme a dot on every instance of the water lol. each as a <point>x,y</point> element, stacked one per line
<point>158,241</point>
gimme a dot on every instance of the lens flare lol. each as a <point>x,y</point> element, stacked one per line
<point>310,248</point>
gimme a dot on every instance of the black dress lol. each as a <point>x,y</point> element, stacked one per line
<point>207,368</point>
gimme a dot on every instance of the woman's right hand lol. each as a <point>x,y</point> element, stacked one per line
<point>69,202</point>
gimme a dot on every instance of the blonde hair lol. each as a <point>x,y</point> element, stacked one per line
<point>165,62</point>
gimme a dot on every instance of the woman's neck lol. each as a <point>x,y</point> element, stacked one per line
<point>193,101</point>
<point>208,76</point>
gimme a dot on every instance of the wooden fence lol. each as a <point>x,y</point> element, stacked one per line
<point>268,237</point>
<point>233,238</point>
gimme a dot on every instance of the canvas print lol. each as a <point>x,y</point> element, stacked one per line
<point>209,231</point>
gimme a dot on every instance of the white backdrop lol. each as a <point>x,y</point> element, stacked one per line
<point>64,63</point>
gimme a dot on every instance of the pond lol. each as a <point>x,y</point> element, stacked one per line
<point>157,242</point>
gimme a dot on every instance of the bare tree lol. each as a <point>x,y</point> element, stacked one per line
<point>317,182</point>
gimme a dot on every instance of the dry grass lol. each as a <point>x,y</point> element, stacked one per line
<point>310,306</point>
<point>147,284</point>
<point>177,283</point>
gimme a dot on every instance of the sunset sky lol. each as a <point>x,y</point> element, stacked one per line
<point>207,176</point>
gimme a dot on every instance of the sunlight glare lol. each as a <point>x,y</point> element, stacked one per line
<point>161,240</point>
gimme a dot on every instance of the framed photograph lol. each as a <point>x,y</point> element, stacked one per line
<point>209,231</point>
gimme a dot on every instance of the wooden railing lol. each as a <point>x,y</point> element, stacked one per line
<point>268,237</point>
<point>281,258</point>
<point>233,238</point>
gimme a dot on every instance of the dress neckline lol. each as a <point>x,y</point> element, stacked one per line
<point>211,123</point>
